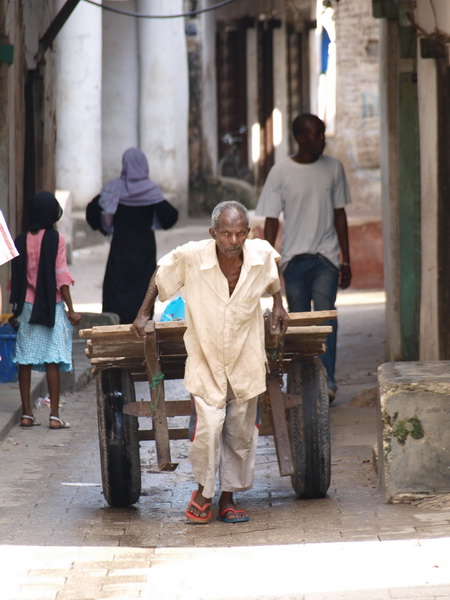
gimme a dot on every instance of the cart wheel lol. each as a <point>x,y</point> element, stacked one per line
<point>118,438</point>
<point>310,428</point>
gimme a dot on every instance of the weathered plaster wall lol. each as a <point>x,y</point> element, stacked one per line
<point>356,142</point>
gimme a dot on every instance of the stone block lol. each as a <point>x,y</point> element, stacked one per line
<point>413,429</point>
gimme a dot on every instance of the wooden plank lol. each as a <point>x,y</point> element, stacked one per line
<point>117,349</point>
<point>116,345</point>
<point>104,331</point>
<point>277,412</point>
<point>120,361</point>
<point>157,396</point>
<point>173,367</point>
<point>139,373</point>
<point>311,318</point>
<point>280,429</point>
<point>110,337</point>
<point>126,348</point>
<point>310,331</point>
<point>181,433</point>
<point>174,408</point>
<point>297,346</point>
<point>266,424</point>
<point>176,329</point>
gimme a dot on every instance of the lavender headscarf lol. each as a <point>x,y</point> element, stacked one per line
<point>133,187</point>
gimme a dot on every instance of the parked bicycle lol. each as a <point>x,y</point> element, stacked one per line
<point>230,164</point>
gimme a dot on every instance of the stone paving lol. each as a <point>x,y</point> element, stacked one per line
<point>60,541</point>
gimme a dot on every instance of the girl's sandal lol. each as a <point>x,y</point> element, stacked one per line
<point>33,423</point>
<point>62,424</point>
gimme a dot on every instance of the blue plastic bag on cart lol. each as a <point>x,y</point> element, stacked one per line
<point>174,311</point>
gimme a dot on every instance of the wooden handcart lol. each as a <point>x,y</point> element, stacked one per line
<point>298,419</point>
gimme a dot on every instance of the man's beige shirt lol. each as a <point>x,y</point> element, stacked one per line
<point>224,338</point>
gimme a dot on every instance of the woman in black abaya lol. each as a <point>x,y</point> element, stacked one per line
<point>130,205</point>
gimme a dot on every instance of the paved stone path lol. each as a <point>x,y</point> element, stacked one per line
<point>60,541</point>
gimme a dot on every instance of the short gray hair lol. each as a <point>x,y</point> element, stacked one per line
<point>223,206</point>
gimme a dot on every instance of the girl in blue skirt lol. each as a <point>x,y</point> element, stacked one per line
<point>39,288</point>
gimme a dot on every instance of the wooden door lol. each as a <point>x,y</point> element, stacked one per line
<point>231,65</point>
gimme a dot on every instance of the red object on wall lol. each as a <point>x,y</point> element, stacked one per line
<point>366,252</point>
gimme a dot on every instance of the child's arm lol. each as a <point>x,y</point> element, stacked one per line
<point>74,318</point>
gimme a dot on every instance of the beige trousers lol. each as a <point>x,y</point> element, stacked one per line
<point>224,440</point>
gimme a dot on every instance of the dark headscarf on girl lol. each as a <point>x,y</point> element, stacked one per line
<point>44,212</point>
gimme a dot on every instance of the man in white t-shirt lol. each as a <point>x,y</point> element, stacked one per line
<point>311,191</point>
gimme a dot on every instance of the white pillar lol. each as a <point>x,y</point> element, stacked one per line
<point>209,92</point>
<point>78,104</point>
<point>281,126</point>
<point>164,99</point>
<point>120,87</point>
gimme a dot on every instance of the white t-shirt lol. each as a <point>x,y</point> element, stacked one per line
<point>307,195</point>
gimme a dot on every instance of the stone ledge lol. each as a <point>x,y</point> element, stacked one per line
<point>413,432</point>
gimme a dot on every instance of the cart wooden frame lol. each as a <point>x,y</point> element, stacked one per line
<point>297,419</point>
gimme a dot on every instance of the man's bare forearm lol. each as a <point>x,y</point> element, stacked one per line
<point>271,230</point>
<point>150,297</point>
<point>146,309</point>
<point>340,224</point>
<point>280,317</point>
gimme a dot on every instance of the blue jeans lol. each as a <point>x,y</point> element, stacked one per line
<point>313,279</point>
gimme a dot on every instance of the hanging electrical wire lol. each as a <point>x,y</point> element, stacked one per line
<point>127,13</point>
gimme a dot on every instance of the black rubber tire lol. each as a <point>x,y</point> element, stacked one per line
<point>309,424</point>
<point>118,438</point>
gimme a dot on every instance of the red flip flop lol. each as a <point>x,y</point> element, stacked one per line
<point>195,518</point>
<point>239,519</point>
